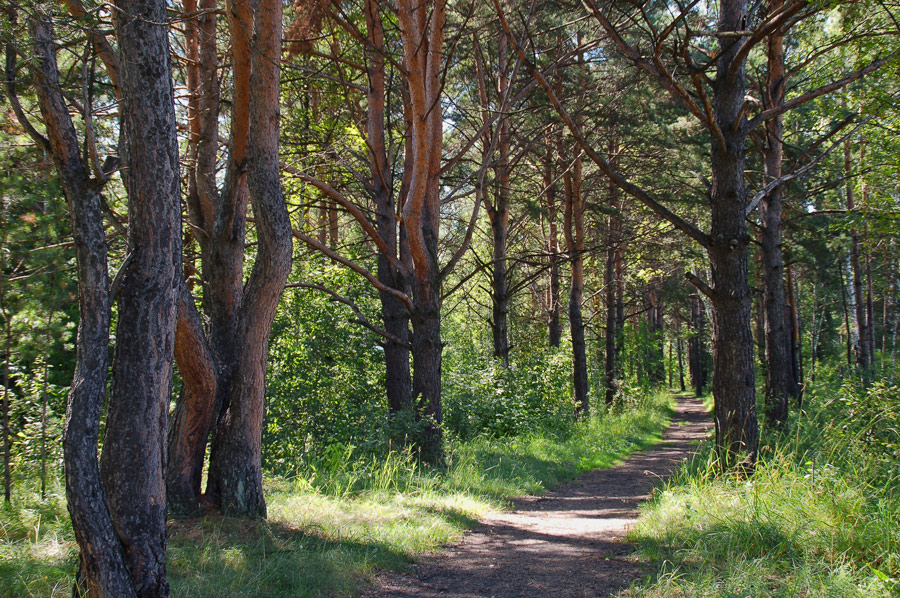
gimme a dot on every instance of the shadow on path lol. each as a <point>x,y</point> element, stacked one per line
<point>567,543</point>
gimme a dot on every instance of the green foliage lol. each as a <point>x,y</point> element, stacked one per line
<point>487,399</point>
<point>330,529</point>
<point>37,546</point>
<point>818,518</point>
<point>325,378</point>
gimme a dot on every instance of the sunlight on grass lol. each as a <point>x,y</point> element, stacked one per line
<point>812,521</point>
<point>329,531</point>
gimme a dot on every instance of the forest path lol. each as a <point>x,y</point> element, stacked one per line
<point>566,543</point>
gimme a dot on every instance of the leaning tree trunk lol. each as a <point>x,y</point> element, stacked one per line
<point>102,568</point>
<point>737,431</point>
<point>236,458</point>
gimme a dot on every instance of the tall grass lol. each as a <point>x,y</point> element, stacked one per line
<point>346,516</point>
<point>818,518</point>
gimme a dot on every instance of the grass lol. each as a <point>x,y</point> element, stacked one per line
<point>330,530</point>
<point>818,518</point>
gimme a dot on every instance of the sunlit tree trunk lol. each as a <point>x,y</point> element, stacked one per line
<point>422,37</point>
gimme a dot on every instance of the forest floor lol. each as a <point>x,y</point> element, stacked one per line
<point>566,543</point>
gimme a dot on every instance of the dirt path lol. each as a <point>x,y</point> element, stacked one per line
<point>566,543</point>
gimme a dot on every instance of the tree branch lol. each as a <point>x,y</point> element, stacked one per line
<point>361,319</point>
<point>633,190</point>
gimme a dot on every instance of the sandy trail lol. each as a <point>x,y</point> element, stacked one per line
<point>566,543</point>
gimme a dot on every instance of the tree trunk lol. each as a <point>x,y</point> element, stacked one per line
<point>863,359</point>
<point>737,431</point>
<point>780,382</point>
<point>574,233</point>
<point>134,446</point>
<point>796,343</point>
<point>610,282</point>
<point>554,330</point>
<point>422,37</point>
<point>695,345</point>
<point>680,353</point>
<point>398,383</point>
<point>236,458</point>
<point>498,212</point>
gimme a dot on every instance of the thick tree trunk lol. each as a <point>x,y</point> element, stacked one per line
<point>134,447</point>
<point>236,458</point>
<point>206,359</point>
<point>102,569</point>
<point>422,37</point>
<point>195,410</point>
<point>737,431</point>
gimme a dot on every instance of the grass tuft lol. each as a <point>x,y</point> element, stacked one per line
<point>818,518</point>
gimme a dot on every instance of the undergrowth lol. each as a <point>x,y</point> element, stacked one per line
<point>818,517</point>
<point>334,524</point>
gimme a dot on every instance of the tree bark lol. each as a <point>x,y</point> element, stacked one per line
<point>554,330</point>
<point>134,448</point>
<point>102,567</point>
<point>737,431</point>
<point>422,37</point>
<point>236,458</point>
<point>498,213</point>
<point>780,382</point>
<point>574,234</point>
<point>398,383</point>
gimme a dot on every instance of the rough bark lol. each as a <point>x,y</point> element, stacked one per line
<point>737,431</point>
<point>133,462</point>
<point>780,381</point>
<point>398,383</point>
<point>422,37</point>
<point>102,569</point>
<point>236,458</point>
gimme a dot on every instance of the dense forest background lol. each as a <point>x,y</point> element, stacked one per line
<point>401,228</point>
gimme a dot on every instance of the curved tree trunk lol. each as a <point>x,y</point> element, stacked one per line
<point>236,458</point>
